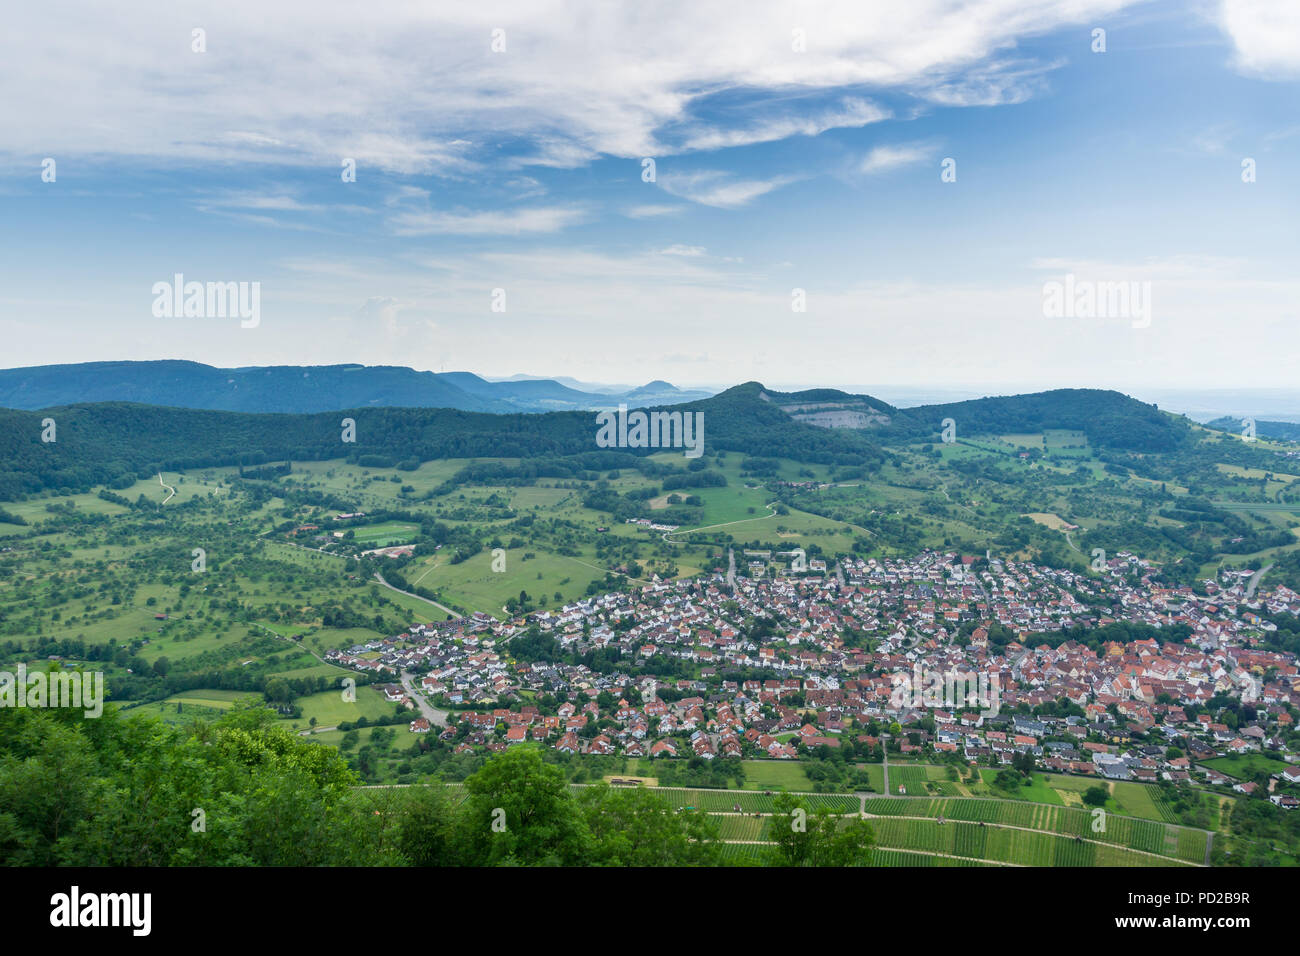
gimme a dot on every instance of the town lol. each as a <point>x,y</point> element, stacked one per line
<point>835,645</point>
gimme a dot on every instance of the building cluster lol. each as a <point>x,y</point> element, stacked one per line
<point>787,663</point>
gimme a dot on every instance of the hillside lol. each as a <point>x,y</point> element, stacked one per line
<point>1279,431</point>
<point>1109,419</point>
<point>115,443</point>
<point>831,408</point>
<point>303,389</point>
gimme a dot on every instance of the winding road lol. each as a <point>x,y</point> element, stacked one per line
<point>380,578</point>
<point>430,713</point>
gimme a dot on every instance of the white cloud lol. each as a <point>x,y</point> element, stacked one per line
<point>884,158</point>
<point>651,211</point>
<point>1265,36</point>
<point>712,187</point>
<point>506,222</point>
<point>1001,83</point>
<point>852,113</point>
<point>680,250</point>
<point>414,87</point>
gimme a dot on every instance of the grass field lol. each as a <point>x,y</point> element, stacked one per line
<point>1240,765</point>
<point>775,775</point>
<point>330,709</point>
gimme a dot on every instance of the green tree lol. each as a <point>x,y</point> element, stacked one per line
<point>520,810</point>
<point>820,838</point>
<point>1096,796</point>
<point>636,827</point>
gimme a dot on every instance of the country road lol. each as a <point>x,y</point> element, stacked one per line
<point>169,488</point>
<point>380,578</point>
<point>430,713</point>
<point>1255,579</point>
<point>710,527</point>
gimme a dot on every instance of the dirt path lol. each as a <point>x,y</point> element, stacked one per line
<point>710,527</point>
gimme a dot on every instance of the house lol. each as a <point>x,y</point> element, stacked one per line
<point>662,748</point>
<point>420,726</point>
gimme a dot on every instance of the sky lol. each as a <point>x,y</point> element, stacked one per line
<point>850,194</point>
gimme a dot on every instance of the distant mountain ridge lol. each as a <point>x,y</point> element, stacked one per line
<point>117,443</point>
<point>305,389</point>
<point>1109,419</point>
<point>1280,431</point>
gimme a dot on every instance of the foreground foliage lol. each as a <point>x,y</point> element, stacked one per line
<point>118,791</point>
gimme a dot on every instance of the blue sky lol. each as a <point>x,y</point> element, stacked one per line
<point>776,169</point>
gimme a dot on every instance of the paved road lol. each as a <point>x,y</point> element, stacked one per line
<point>380,578</point>
<point>1254,580</point>
<point>430,713</point>
<point>731,569</point>
<point>314,730</point>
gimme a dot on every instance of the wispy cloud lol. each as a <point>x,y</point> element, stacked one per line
<point>884,158</point>
<point>506,222</point>
<point>651,211</point>
<point>851,113</point>
<point>1001,83</point>
<point>711,187</point>
<point>420,91</point>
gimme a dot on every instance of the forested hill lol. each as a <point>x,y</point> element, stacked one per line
<point>1109,419</point>
<point>271,389</point>
<point>1279,431</point>
<point>304,389</point>
<point>115,443</point>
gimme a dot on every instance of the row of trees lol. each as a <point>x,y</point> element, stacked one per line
<point>132,791</point>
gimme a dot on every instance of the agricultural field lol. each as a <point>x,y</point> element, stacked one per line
<point>206,588</point>
<point>1182,843</point>
<point>947,831</point>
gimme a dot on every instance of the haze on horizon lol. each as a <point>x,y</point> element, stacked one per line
<point>776,169</point>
